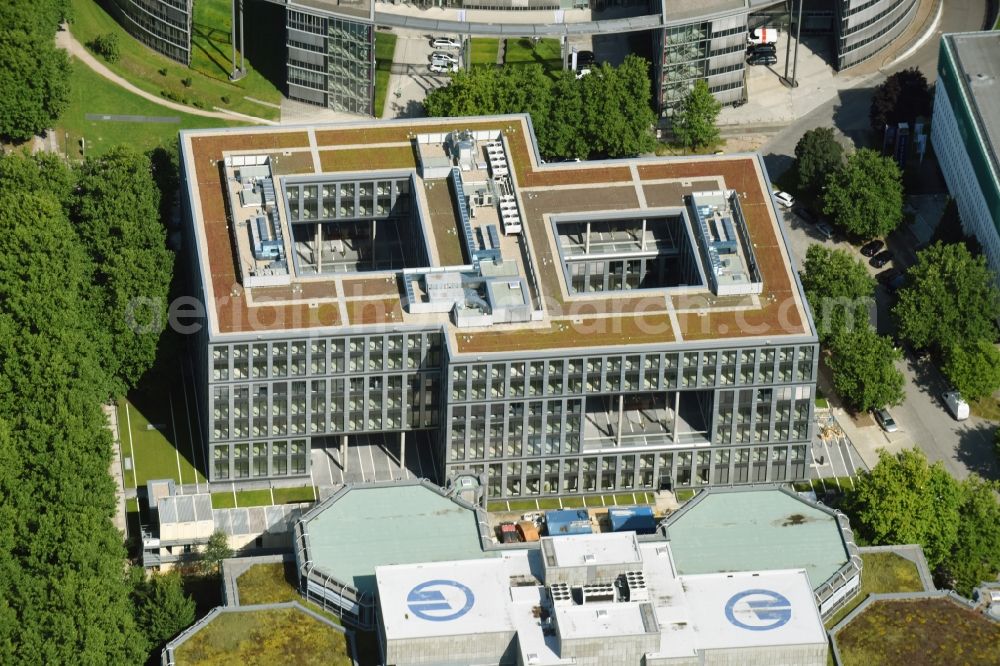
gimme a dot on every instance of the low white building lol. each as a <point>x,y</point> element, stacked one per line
<point>595,600</point>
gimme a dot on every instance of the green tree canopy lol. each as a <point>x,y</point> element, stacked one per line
<point>901,98</point>
<point>903,499</point>
<point>694,122</point>
<point>604,114</point>
<point>949,298</point>
<point>976,554</point>
<point>162,608</point>
<point>865,196</point>
<point>116,207</point>
<point>973,366</point>
<point>817,154</point>
<point>863,371</point>
<point>216,550</point>
<point>34,78</point>
<point>839,290</point>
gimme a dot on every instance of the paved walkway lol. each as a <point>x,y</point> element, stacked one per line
<point>66,40</point>
<point>116,467</point>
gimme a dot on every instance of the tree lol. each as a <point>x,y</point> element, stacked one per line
<point>902,97</point>
<point>162,608</point>
<point>976,555</point>
<point>617,112</point>
<point>973,366</point>
<point>694,122</point>
<point>216,550</point>
<point>116,207</point>
<point>839,290</point>
<point>863,371</point>
<point>865,196</point>
<point>34,78</point>
<point>106,46</point>
<point>949,298</point>
<point>562,137</point>
<point>903,499</point>
<point>817,154</point>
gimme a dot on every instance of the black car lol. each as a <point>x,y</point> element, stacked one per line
<point>762,59</point>
<point>871,248</point>
<point>881,259</point>
<point>585,59</point>
<point>806,215</point>
<point>769,47</point>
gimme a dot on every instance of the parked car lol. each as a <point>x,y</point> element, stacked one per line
<point>881,259</point>
<point>958,407</point>
<point>784,198</point>
<point>885,420</point>
<point>762,59</point>
<point>896,283</point>
<point>769,47</point>
<point>887,276</point>
<point>443,68</point>
<point>806,215</point>
<point>446,43</point>
<point>585,60</point>
<point>442,57</point>
<point>872,247</point>
<point>825,230</point>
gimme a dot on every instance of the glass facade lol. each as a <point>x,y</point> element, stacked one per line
<point>866,27</point>
<point>331,61</point>
<point>711,50</point>
<point>162,25</point>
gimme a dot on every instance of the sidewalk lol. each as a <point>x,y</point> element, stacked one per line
<point>116,467</point>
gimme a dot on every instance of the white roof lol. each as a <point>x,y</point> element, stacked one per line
<point>602,619</point>
<point>577,550</point>
<point>747,609</point>
<point>465,597</point>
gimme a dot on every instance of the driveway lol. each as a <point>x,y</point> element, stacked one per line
<point>411,78</point>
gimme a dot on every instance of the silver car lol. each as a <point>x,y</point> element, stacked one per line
<point>885,420</point>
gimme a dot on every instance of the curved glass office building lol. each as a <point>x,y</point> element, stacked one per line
<point>162,25</point>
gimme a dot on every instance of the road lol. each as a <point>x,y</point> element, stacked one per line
<point>962,446</point>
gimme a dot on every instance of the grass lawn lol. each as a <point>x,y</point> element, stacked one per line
<point>881,573</point>
<point>925,631</point>
<point>147,420</point>
<point>385,46</point>
<point>285,635</point>
<point>547,53</point>
<point>987,408</point>
<point>209,73</point>
<point>91,93</point>
<point>483,50</point>
<point>293,495</point>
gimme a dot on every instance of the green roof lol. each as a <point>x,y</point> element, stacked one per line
<point>370,527</point>
<point>754,531</point>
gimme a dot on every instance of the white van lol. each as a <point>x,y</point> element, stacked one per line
<point>959,408</point>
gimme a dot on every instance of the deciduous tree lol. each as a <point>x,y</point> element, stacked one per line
<point>817,154</point>
<point>901,98</point>
<point>865,196</point>
<point>162,608</point>
<point>949,298</point>
<point>973,366</point>
<point>34,78</point>
<point>694,122</point>
<point>839,290</point>
<point>903,499</point>
<point>863,371</point>
<point>216,550</point>
<point>976,554</point>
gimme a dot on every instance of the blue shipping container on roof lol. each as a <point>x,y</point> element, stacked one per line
<point>638,519</point>
<point>567,521</point>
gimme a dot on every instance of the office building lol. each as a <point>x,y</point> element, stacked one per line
<point>965,133</point>
<point>534,330</point>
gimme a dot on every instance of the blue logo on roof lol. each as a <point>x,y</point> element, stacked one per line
<point>440,600</point>
<point>758,610</point>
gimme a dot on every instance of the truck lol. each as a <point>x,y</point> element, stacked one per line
<point>762,36</point>
<point>958,407</point>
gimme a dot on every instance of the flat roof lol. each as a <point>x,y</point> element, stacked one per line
<point>362,528</point>
<point>342,303</point>
<point>605,619</point>
<point>743,610</point>
<point>978,57</point>
<point>458,598</point>
<point>753,530</point>
<point>577,550</point>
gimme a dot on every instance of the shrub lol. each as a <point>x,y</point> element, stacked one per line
<point>225,99</point>
<point>186,81</point>
<point>106,46</point>
<point>162,71</point>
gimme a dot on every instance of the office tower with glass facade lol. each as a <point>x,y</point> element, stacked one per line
<point>546,330</point>
<point>865,28</point>
<point>162,25</point>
